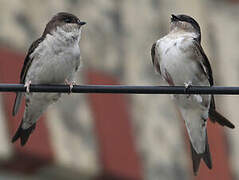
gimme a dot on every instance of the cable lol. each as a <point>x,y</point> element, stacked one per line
<point>121,89</point>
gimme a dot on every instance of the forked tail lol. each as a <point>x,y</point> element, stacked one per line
<point>23,134</point>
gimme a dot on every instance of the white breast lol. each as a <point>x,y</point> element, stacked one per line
<point>55,59</point>
<point>175,58</point>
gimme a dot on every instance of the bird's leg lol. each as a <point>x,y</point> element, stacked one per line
<point>27,85</point>
<point>71,84</point>
<point>195,97</point>
<point>187,85</point>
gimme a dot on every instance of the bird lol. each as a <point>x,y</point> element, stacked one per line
<point>180,60</point>
<point>54,58</point>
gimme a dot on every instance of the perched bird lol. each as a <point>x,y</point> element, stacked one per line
<point>180,59</point>
<point>52,59</point>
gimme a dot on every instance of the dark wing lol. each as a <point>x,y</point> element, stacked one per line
<point>26,65</point>
<point>155,59</point>
<point>205,65</point>
<point>213,114</point>
<point>28,60</point>
<point>204,62</point>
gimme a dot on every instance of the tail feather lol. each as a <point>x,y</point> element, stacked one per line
<point>216,117</point>
<point>17,103</point>
<point>23,134</point>
<point>196,158</point>
<point>207,155</point>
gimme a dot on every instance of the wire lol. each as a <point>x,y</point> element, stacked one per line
<point>121,89</point>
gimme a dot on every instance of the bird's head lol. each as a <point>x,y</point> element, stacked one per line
<point>185,23</point>
<point>66,21</point>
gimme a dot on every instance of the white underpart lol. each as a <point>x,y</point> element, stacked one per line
<point>175,57</point>
<point>55,60</point>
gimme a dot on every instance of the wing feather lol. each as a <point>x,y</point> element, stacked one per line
<point>155,60</point>
<point>27,63</point>
<point>213,114</point>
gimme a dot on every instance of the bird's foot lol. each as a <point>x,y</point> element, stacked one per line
<point>27,85</point>
<point>187,85</point>
<point>71,85</point>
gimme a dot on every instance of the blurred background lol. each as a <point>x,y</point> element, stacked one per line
<point>93,136</point>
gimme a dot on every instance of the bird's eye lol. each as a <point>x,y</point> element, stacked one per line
<point>67,20</point>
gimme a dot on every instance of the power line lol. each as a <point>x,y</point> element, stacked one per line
<point>122,89</point>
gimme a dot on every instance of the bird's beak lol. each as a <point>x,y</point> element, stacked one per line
<point>81,23</point>
<point>174,18</point>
